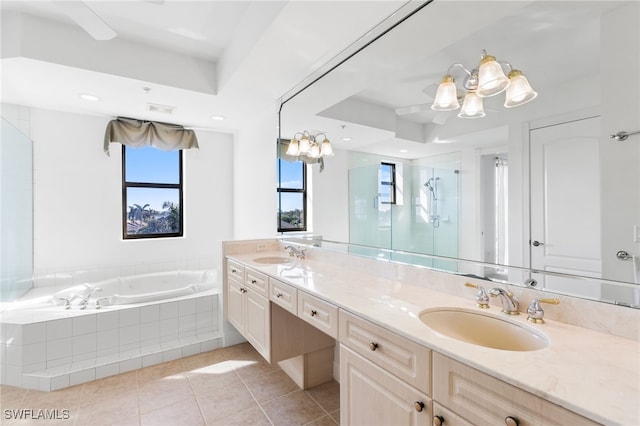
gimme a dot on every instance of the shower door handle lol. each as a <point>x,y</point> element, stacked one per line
<point>536,243</point>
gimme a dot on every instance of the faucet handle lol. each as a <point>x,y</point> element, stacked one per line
<point>535,313</point>
<point>482,298</point>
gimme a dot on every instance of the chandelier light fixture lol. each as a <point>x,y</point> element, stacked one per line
<point>488,79</point>
<point>305,144</point>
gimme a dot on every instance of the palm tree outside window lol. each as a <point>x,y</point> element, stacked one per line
<point>151,193</point>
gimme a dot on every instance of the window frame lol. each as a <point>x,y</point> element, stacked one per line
<point>125,185</point>
<point>280,190</point>
<point>391,183</point>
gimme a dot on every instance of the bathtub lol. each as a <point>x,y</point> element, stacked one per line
<point>135,289</point>
<point>51,340</point>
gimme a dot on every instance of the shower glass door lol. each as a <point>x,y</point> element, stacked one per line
<point>16,213</point>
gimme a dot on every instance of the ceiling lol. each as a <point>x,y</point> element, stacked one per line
<point>555,43</point>
<point>200,58</point>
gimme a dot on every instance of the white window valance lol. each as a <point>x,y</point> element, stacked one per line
<point>140,133</point>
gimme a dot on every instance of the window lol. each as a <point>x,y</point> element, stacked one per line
<point>151,193</point>
<point>387,187</point>
<point>292,196</point>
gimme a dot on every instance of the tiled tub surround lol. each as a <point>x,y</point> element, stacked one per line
<point>51,348</point>
<point>587,368</point>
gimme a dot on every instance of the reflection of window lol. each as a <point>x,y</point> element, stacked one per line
<point>151,193</point>
<point>387,187</point>
<point>292,196</point>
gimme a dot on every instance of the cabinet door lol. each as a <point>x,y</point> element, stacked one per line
<point>258,326</point>
<point>236,312</point>
<point>371,396</point>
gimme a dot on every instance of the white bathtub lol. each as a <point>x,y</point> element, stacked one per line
<point>136,288</point>
<point>131,322</point>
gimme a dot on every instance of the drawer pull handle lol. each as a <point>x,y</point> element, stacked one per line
<point>438,420</point>
<point>511,421</point>
<point>419,405</point>
<point>253,281</point>
<point>314,313</point>
<point>233,271</point>
<point>373,346</point>
<point>278,295</point>
<point>243,290</point>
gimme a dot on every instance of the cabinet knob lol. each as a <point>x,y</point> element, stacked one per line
<point>253,281</point>
<point>373,346</point>
<point>511,421</point>
<point>233,271</point>
<point>314,313</point>
<point>419,405</point>
<point>438,420</point>
<point>278,294</point>
<point>243,290</point>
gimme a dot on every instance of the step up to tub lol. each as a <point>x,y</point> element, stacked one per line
<point>88,370</point>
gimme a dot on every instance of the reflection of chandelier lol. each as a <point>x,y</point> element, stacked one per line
<point>488,79</point>
<point>309,145</point>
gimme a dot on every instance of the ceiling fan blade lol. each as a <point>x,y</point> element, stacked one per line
<point>86,18</point>
<point>412,109</point>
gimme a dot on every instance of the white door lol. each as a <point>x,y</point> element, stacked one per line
<point>565,203</point>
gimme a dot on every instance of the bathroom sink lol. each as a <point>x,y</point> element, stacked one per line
<point>483,330</point>
<point>273,260</point>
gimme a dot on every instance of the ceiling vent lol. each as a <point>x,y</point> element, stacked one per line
<point>165,109</point>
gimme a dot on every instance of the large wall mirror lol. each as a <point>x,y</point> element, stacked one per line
<point>537,186</point>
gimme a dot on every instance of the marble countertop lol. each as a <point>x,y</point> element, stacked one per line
<point>593,374</point>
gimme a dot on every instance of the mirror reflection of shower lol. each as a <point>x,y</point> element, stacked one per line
<point>432,186</point>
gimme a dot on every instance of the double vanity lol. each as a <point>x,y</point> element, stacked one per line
<point>411,353</point>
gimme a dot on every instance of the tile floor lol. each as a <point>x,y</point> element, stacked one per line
<point>229,386</point>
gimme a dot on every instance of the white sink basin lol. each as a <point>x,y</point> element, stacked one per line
<point>273,260</point>
<point>483,330</point>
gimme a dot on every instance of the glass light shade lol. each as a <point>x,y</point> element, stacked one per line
<point>446,96</point>
<point>314,151</point>
<point>305,144</point>
<point>293,148</point>
<point>519,91</point>
<point>326,150</point>
<point>472,106</point>
<point>491,78</point>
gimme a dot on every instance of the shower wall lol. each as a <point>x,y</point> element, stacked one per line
<point>16,212</point>
<point>423,220</point>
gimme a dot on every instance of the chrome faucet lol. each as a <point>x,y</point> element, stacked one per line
<point>482,298</point>
<point>299,253</point>
<point>509,303</point>
<point>535,313</point>
<point>85,300</point>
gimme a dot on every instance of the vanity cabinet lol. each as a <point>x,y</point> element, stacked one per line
<point>485,400</point>
<point>247,309</point>
<point>369,395</point>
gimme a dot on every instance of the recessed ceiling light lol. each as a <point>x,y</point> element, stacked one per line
<point>89,97</point>
<point>217,117</point>
<point>404,150</point>
<point>346,139</point>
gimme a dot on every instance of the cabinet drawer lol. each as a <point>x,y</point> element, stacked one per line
<point>320,314</point>
<point>446,417</point>
<point>401,357</point>
<point>483,399</point>
<point>284,295</point>
<point>235,269</point>
<point>257,281</point>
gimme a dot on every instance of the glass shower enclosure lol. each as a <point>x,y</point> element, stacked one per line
<point>16,212</point>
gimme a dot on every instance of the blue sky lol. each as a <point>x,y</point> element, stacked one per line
<point>152,165</point>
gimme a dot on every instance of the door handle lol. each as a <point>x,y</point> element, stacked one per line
<point>536,243</point>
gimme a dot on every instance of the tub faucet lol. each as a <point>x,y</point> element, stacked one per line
<point>66,301</point>
<point>509,303</point>
<point>85,300</point>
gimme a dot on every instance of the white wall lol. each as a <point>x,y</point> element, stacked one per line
<point>77,203</point>
<point>329,197</point>
<point>255,178</point>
